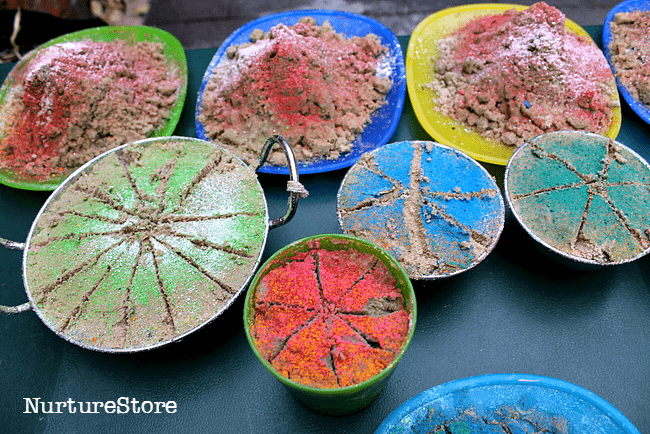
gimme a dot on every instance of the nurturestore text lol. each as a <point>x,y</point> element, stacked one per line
<point>122,406</point>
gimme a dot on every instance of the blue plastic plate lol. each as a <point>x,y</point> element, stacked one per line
<point>384,121</point>
<point>627,6</point>
<point>584,411</point>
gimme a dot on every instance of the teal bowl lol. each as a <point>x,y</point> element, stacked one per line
<point>583,197</point>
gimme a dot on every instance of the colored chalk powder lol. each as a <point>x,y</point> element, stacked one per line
<point>583,196</point>
<point>146,244</point>
<point>329,318</point>
<point>435,209</point>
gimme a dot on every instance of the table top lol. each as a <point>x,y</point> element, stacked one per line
<point>519,311</point>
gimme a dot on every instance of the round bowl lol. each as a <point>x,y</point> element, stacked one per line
<point>435,209</point>
<point>293,303</point>
<point>584,197</point>
<point>174,56</point>
<point>146,243</point>
<point>581,409</point>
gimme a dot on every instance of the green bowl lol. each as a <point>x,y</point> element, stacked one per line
<point>339,400</point>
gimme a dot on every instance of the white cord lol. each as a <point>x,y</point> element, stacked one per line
<point>297,187</point>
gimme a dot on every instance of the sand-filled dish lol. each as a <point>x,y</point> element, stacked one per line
<point>330,316</point>
<point>506,404</point>
<point>583,196</point>
<point>435,209</point>
<point>626,32</point>
<point>331,83</point>
<point>504,419</point>
<point>485,78</point>
<point>82,94</point>
<point>146,243</point>
<point>630,52</point>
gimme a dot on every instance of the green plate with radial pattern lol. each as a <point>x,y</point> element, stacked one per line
<point>145,244</point>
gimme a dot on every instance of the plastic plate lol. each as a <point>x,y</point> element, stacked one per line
<point>584,411</point>
<point>383,122</point>
<point>172,49</point>
<point>422,48</point>
<point>627,6</point>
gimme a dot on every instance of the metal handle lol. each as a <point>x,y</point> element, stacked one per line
<point>21,307</point>
<point>294,187</point>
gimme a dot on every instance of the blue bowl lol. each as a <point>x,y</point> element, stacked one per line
<point>627,6</point>
<point>433,207</point>
<point>584,411</point>
<point>383,122</point>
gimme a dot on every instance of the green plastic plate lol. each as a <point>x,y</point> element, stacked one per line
<point>172,49</point>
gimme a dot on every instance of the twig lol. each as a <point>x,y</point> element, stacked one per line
<point>14,34</point>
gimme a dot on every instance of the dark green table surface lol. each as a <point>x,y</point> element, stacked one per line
<point>518,311</point>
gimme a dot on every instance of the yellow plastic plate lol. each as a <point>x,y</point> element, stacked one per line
<point>420,51</point>
<point>172,50</point>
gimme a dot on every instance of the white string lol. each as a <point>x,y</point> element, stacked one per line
<point>297,187</point>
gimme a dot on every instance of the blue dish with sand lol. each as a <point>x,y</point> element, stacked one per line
<point>438,211</point>
<point>383,122</point>
<point>626,6</point>
<point>581,410</point>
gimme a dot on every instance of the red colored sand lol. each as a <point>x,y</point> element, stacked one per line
<point>330,319</point>
<point>306,82</point>
<point>516,75</point>
<point>73,101</point>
